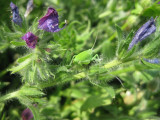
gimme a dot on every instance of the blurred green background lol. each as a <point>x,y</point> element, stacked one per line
<point>80,100</point>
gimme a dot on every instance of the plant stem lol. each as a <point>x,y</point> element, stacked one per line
<point>82,75</point>
<point>113,63</point>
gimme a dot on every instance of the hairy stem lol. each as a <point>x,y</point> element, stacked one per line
<point>82,75</point>
<point>112,63</point>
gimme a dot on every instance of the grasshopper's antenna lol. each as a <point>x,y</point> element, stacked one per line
<point>95,41</point>
<point>117,79</point>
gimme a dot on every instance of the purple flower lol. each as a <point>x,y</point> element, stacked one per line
<point>16,17</point>
<point>31,39</point>
<point>27,114</point>
<point>50,21</point>
<point>153,61</point>
<point>29,7</point>
<point>158,2</point>
<point>147,29</point>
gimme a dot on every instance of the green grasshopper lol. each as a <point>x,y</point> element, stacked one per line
<point>85,57</point>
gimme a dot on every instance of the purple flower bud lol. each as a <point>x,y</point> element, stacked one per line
<point>50,21</point>
<point>31,40</point>
<point>29,7</point>
<point>147,29</point>
<point>27,114</point>
<point>16,17</point>
<point>153,61</point>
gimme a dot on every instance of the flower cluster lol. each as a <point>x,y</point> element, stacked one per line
<point>49,22</point>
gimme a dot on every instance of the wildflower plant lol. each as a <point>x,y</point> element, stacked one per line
<point>54,56</point>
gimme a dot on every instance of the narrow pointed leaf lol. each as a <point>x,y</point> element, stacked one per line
<point>19,60</point>
<point>95,101</point>
<point>18,43</point>
<point>154,66</point>
<point>20,66</point>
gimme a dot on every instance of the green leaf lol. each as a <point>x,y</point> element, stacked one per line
<point>112,5</point>
<point>62,69</point>
<point>4,84</point>
<point>1,108</point>
<point>109,50</point>
<point>120,33</point>
<point>153,10</point>
<point>155,66</point>
<point>25,100</point>
<point>34,25</point>
<point>152,49</point>
<point>95,101</point>
<point>19,60</point>
<point>122,49</point>
<point>128,39</point>
<point>35,112</point>
<point>111,91</point>
<point>8,96</point>
<point>30,91</point>
<point>120,38</point>
<point>18,43</point>
<point>129,53</point>
<point>138,9</point>
<point>104,14</point>
<point>20,66</point>
<point>84,36</point>
<point>3,116</point>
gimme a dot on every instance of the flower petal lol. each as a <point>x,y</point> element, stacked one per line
<point>147,29</point>
<point>50,21</point>
<point>154,61</point>
<point>30,39</point>
<point>16,17</point>
<point>29,8</point>
<point>27,114</point>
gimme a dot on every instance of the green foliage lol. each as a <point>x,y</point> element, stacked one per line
<point>152,10</point>
<point>108,81</point>
<point>95,101</point>
<point>154,66</point>
<point>18,43</point>
<point>123,44</point>
<point>152,49</point>
<point>21,66</point>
